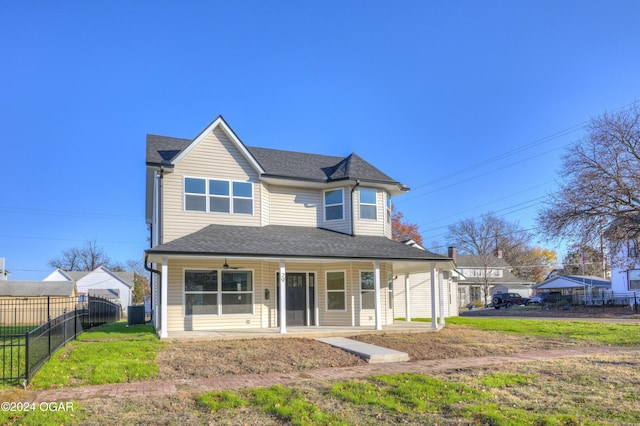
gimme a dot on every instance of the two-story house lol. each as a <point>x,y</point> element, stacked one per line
<point>247,237</point>
<point>483,276</point>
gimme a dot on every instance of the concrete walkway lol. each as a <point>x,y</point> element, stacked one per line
<point>237,382</point>
<point>371,353</point>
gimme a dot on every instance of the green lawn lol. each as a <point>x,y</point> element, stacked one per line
<point>112,353</point>
<point>617,334</point>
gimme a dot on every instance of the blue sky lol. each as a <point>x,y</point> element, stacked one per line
<point>470,103</point>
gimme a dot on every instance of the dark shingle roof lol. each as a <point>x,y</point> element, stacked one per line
<point>161,150</point>
<point>277,241</point>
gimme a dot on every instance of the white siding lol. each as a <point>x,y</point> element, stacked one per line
<point>102,280</point>
<point>215,157</point>
<point>420,296</point>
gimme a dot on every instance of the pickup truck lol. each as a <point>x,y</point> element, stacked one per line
<point>507,300</point>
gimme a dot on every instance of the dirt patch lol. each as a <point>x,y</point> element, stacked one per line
<point>182,360</point>
<point>204,359</point>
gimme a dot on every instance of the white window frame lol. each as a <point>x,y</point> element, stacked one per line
<point>343,290</point>
<point>219,292</point>
<point>362,291</point>
<point>636,273</point>
<point>374,205</point>
<point>186,194</point>
<point>388,208</point>
<point>341,204</point>
<point>208,196</point>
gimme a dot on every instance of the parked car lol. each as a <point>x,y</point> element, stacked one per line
<point>507,300</point>
<point>546,298</point>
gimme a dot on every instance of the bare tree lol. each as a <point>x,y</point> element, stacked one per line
<point>85,258</point>
<point>600,192</point>
<point>489,238</point>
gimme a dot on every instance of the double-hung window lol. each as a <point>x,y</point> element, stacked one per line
<point>390,283</point>
<point>368,205</point>
<point>201,292</point>
<point>334,204</point>
<point>336,291</point>
<point>218,196</point>
<point>195,194</point>
<point>634,279</point>
<point>367,290</point>
<point>388,208</point>
<point>205,295</point>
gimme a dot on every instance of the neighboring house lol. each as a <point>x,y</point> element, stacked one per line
<point>247,237</point>
<point>498,275</point>
<point>20,300</point>
<point>418,285</point>
<point>625,270</point>
<point>102,282</point>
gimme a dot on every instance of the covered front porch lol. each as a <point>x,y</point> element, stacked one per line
<point>303,332</point>
<point>245,280</point>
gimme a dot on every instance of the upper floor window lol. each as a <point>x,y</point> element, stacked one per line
<point>368,206</point>
<point>334,204</point>
<point>223,196</point>
<point>388,208</point>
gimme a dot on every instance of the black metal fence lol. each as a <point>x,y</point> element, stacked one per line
<point>28,337</point>
<point>603,299</point>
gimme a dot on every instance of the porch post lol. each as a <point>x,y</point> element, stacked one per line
<point>407,297</point>
<point>376,266</point>
<point>164,284</point>
<point>441,294</point>
<point>434,314</point>
<point>282,309</point>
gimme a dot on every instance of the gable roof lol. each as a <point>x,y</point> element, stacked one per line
<point>471,261</point>
<point>127,278</point>
<point>291,242</point>
<point>36,288</point>
<point>167,151</point>
<point>573,281</point>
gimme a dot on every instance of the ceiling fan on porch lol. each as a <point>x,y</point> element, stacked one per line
<point>226,266</point>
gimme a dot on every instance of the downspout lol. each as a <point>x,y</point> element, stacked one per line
<point>353,233</point>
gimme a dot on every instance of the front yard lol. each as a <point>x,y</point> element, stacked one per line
<point>587,390</point>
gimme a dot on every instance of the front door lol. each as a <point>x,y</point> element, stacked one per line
<point>296,298</point>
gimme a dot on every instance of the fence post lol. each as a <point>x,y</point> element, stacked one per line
<point>26,358</point>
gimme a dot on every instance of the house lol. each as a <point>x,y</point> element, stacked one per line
<point>34,302</point>
<point>102,282</point>
<point>414,296</point>
<point>585,289</point>
<point>257,238</point>
<point>482,272</point>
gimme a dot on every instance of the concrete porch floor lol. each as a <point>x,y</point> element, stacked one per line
<point>311,332</point>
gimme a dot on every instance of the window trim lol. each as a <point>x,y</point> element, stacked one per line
<point>341,204</point>
<point>327,291</point>
<point>362,204</point>
<point>373,290</point>
<point>207,195</point>
<point>388,207</point>
<point>219,292</point>
<point>390,290</point>
<point>629,272</point>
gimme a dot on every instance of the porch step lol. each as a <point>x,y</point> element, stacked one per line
<point>371,353</point>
